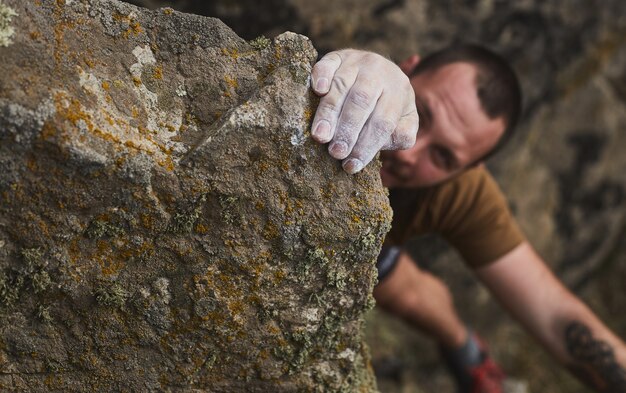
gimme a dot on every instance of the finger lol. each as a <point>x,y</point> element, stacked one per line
<point>408,65</point>
<point>403,137</point>
<point>376,132</point>
<point>357,108</point>
<point>324,71</point>
<point>329,108</point>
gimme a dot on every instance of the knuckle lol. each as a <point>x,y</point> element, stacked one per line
<point>404,139</point>
<point>408,90</point>
<point>327,107</point>
<point>327,65</point>
<point>332,57</point>
<point>382,126</point>
<point>341,83</point>
<point>360,98</point>
<point>347,131</point>
<point>371,57</point>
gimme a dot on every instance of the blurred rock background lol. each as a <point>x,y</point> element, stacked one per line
<point>564,173</point>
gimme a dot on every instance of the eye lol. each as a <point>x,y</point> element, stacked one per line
<point>442,158</point>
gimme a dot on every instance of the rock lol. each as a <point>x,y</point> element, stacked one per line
<point>166,222</point>
<point>564,173</point>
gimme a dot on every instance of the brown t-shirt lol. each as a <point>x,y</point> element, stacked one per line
<point>469,211</point>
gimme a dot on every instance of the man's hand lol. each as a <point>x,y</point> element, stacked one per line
<point>367,105</point>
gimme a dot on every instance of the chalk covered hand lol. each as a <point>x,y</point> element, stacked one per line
<point>367,104</point>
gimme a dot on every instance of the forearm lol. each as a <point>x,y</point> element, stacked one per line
<point>587,348</point>
<point>565,326</point>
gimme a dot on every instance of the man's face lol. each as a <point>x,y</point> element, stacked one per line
<point>454,130</point>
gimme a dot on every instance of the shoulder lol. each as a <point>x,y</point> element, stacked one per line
<point>475,218</point>
<point>472,193</point>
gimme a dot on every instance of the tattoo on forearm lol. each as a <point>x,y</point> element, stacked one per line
<point>595,360</point>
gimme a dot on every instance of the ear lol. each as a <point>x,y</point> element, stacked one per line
<point>408,65</point>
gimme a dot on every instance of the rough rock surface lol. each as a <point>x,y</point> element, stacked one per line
<point>564,174</point>
<point>166,223</point>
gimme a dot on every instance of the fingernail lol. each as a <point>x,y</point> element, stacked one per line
<point>338,149</point>
<point>321,84</point>
<point>322,131</point>
<point>352,165</point>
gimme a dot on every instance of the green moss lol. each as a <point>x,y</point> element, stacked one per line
<point>314,257</point>
<point>337,276</point>
<point>32,257</point>
<point>327,332</point>
<point>10,287</point>
<point>184,221</point>
<point>6,30</point>
<point>369,241</point>
<point>40,281</point>
<point>53,366</point>
<point>43,313</point>
<point>260,43</point>
<point>299,74</point>
<point>30,273</point>
<point>99,229</point>
<point>111,295</point>
<point>228,203</point>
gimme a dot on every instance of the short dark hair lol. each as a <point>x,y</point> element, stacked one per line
<point>497,84</point>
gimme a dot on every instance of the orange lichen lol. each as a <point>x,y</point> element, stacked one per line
<point>61,25</point>
<point>133,26</point>
<point>147,221</point>
<point>73,112</point>
<point>263,166</point>
<point>31,164</point>
<point>157,73</point>
<point>110,267</point>
<point>137,81</point>
<point>106,85</point>
<point>48,130</point>
<point>35,35</point>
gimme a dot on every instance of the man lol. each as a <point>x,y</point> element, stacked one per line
<point>468,102</point>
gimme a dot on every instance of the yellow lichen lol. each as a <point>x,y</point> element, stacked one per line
<point>233,53</point>
<point>270,231</point>
<point>201,229</point>
<point>232,82</point>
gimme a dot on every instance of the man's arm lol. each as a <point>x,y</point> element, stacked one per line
<point>367,104</point>
<point>565,326</point>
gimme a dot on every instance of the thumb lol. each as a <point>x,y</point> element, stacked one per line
<point>408,65</point>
